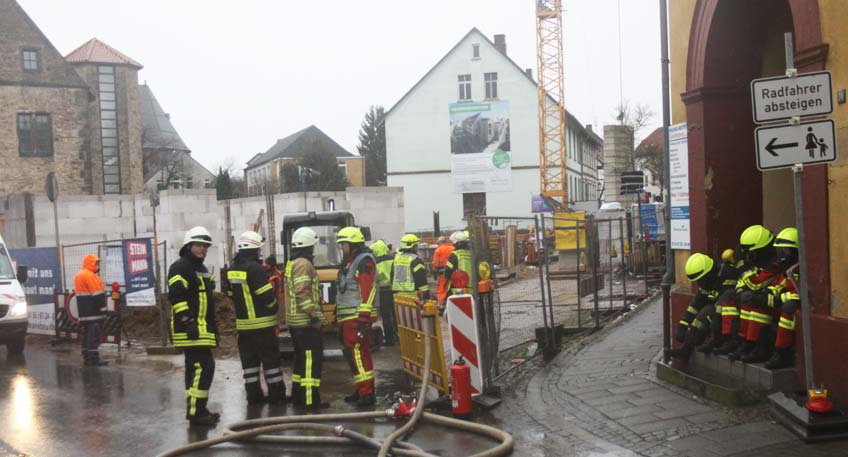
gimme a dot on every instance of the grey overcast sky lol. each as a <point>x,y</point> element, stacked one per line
<point>236,76</point>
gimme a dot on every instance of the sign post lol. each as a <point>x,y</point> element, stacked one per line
<point>52,188</point>
<point>795,144</point>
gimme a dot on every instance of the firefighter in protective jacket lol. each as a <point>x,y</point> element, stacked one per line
<point>355,311</point>
<point>256,321</point>
<point>305,318</point>
<point>91,306</point>
<point>458,267</point>
<point>190,287</point>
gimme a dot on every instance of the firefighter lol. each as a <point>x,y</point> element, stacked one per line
<point>91,307</point>
<point>712,280</point>
<point>256,307</point>
<point>458,267</point>
<point>355,311</point>
<point>385,261</point>
<point>752,293</point>
<point>305,318</point>
<point>729,272</point>
<point>728,306</point>
<point>409,274</point>
<point>787,302</point>
<point>190,287</point>
<point>440,260</point>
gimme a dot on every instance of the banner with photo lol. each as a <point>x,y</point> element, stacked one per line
<point>44,272</point>
<point>138,272</point>
<point>481,158</point>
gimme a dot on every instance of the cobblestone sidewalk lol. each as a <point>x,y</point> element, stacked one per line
<point>603,400</point>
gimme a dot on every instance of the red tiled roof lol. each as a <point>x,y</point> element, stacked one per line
<point>655,139</point>
<point>96,51</point>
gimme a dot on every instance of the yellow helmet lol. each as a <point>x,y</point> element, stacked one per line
<point>350,235</point>
<point>698,266</point>
<point>755,237</point>
<point>787,238</point>
<point>409,241</point>
<point>727,256</point>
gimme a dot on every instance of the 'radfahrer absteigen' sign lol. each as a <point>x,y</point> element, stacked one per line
<point>783,97</point>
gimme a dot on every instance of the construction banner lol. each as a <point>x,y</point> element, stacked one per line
<point>138,272</point>
<point>567,226</point>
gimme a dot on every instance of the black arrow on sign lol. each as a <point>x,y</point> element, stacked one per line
<point>771,147</point>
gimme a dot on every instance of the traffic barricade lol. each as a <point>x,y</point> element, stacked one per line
<point>68,325</point>
<point>412,339</point>
<point>465,336</point>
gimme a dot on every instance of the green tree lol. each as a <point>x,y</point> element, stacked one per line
<point>223,184</point>
<point>372,146</point>
<point>290,178</point>
<point>331,176</point>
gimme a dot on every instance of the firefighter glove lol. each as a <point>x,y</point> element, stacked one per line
<point>190,325</point>
<point>680,333</point>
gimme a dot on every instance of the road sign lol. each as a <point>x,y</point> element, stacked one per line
<point>785,145</point>
<point>782,97</point>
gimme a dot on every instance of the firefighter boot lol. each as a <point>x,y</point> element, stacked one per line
<point>781,358</point>
<point>201,415</point>
<point>712,343</point>
<point>683,352</point>
<point>731,343</point>
<point>254,393</point>
<point>762,348</point>
<point>366,400</point>
<point>277,393</point>
<point>743,349</point>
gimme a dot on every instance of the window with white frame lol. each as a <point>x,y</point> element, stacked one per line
<point>491,80</point>
<point>464,87</point>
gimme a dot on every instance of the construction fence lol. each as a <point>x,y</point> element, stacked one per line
<point>553,275</point>
<point>111,255</point>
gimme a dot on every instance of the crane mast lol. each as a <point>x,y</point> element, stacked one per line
<point>552,120</point>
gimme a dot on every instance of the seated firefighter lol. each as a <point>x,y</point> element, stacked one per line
<point>787,302</point>
<point>755,293</point>
<point>701,317</point>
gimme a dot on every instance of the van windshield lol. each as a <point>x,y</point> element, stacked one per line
<point>6,270</point>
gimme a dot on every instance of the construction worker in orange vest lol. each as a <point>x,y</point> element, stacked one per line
<point>440,260</point>
<point>91,306</point>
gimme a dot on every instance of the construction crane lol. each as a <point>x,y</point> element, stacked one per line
<point>552,120</point>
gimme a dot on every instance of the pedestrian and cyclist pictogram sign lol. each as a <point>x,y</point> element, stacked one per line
<point>783,146</point>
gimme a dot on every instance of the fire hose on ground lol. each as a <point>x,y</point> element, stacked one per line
<point>258,430</point>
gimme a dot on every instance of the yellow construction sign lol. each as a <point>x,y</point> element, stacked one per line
<point>567,226</point>
<point>410,322</point>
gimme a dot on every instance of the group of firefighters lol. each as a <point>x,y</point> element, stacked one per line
<point>746,303</point>
<point>257,291</point>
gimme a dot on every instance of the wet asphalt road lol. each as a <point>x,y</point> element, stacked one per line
<point>52,406</point>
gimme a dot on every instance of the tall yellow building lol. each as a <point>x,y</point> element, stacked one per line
<point>717,48</point>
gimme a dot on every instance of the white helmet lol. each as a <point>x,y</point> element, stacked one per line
<point>198,235</point>
<point>250,240</point>
<point>458,236</point>
<point>303,238</point>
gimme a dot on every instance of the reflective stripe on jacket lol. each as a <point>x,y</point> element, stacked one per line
<point>303,299</point>
<point>459,260</point>
<point>190,288</point>
<point>90,291</point>
<point>252,294</point>
<point>406,266</point>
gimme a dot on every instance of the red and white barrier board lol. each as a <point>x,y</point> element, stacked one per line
<point>465,337</point>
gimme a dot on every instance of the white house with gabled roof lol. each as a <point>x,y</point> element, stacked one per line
<point>419,132</point>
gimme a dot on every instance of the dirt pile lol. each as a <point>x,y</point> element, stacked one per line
<point>142,323</point>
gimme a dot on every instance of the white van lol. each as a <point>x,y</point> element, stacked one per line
<point>13,305</point>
